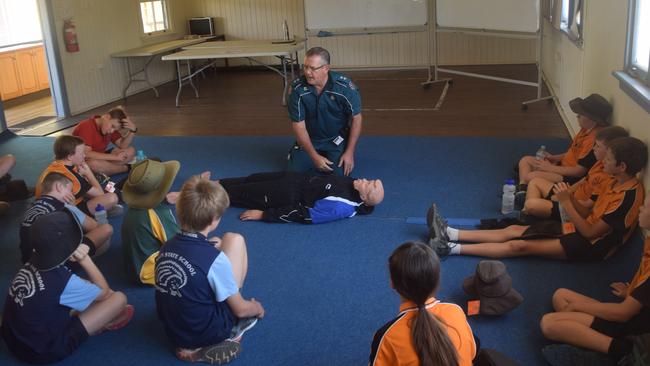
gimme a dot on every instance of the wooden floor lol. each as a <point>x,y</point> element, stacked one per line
<point>248,102</point>
<point>16,113</point>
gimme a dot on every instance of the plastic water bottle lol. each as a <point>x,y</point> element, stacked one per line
<point>100,215</point>
<point>508,198</point>
<point>139,156</point>
<point>541,153</point>
<point>567,225</point>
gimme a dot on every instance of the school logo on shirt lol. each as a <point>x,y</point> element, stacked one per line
<point>170,277</point>
<point>23,286</point>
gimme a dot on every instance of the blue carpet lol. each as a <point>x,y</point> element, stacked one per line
<point>325,288</point>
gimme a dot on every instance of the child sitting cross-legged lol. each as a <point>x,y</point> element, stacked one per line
<point>540,201</point>
<point>198,279</point>
<point>599,230</point>
<point>50,311</point>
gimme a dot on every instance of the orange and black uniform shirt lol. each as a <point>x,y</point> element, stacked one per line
<point>594,184</point>
<point>79,184</point>
<point>581,150</point>
<point>619,207</point>
<point>393,343</point>
<point>639,281</point>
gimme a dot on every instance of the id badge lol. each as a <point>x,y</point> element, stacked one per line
<point>337,141</point>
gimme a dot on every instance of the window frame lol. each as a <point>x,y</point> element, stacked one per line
<point>636,87</point>
<point>166,16</point>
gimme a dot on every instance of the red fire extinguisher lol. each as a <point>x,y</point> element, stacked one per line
<point>70,36</point>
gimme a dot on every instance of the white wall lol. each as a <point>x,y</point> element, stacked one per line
<point>92,77</point>
<point>579,72</point>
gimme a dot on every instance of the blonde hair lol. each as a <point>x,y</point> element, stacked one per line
<point>200,202</point>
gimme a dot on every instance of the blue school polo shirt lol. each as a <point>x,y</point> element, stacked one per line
<point>325,114</point>
<point>193,281</point>
<point>37,308</point>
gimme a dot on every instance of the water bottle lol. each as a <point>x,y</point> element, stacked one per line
<point>140,156</point>
<point>541,153</point>
<point>100,215</point>
<point>508,198</point>
<point>567,225</point>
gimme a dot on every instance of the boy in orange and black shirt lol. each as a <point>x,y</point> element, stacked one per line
<point>603,327</point>
<point>593,113</point>
<point>540,200</point>
<point>599,231</point>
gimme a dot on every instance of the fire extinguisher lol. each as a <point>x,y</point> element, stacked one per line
<point>70,36</point>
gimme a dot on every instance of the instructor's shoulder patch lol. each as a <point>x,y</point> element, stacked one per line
<point>346,81</point>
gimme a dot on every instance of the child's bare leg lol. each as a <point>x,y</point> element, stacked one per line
<point>525,167</point>
<point>552,177</point>
<point>234,246</point>
<point>563,297</point>
<point>101,236</point>
<point>574,328</point>
<point>547,248</point>
<point>498,236</point>
<point>107,167</point>
<point>538,188</point>
<point>101,313</point>
<point>538,207</point>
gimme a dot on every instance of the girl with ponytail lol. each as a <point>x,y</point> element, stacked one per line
<point>426,332</point>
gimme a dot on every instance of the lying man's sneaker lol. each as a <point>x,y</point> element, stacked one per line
<point>520,200</point>
<point>568,355</point>
<point>217,354</point>
<point>241,327</point>
<point>117,210</point>
<point>438,226</point>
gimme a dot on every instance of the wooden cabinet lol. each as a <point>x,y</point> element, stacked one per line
<point>23,71</point>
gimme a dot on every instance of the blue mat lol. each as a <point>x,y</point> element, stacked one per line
<point>325,288</point>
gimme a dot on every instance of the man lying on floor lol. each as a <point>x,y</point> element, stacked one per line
<point>300,197</point>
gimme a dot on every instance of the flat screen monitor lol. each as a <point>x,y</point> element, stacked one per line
<point>201,26</point>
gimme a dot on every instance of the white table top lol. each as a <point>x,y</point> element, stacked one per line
<point>158,48</point>
<point>245,43</point>
<point>266,49</point>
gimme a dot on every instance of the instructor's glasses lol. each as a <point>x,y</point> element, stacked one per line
<point>311,68</point>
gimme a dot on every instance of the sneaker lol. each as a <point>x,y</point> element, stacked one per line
<point>567,355</point>
<point>117,210</point>
<point>520,200</point>
<point>217,354</point>
<point>437,225</point>
<point>441,247</point>
<point>241,327</point>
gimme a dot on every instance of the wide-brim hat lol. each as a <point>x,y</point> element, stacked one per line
<point>492,285</point>
<point>54,237</point>
<point>594,107</point>
<point>148,183</point>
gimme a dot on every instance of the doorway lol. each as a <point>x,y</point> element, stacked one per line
<point>29,78</point>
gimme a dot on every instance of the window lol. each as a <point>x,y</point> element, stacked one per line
<point>155,17</point>
<point>634,78</point>
<point>19,22</point>
<point>571,19</point>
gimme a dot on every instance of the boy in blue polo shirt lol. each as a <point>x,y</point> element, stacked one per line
<point>50,311</point>
<point>198,280</point>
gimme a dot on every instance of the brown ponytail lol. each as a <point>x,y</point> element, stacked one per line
<point>415,273</point>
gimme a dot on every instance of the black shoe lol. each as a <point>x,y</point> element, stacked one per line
<point>217,354</point>
<point>520,200</point>
<point>567,355</point>
<point>441,247</point>
<point>438,228</point>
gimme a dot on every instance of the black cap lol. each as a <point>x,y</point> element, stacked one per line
<point>594,107</point>
<point>54,237</point>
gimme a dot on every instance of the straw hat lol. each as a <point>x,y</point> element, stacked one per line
<point>149,182</point>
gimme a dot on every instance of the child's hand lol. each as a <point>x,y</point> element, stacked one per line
<point>84,170</point>
<point>619,288</point>
<point>205,175</point>
<point>261,308</point>
<point>80,253</point>
<point>216,241</point>
<point>542,164</point>
<point>562,191</point>
<point>251,215</point>
<point>69,198</point>
<point>172,197</point>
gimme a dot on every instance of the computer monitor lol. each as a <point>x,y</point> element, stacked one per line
<point>203,26</point>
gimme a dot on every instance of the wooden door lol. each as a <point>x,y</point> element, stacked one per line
<point>26,70</point>
<point>9,80</point>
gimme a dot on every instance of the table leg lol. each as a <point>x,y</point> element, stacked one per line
<point>191,78</point>
<point>284,78</point>
<point>180,81</point>
<point>130,81</point>
<point>146,76</point>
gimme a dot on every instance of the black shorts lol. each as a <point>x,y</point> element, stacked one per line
<point>83,206</point>
<point>578,248</point>
<point>543,229</point>
<point>639,324</point>
<point>70,339</point>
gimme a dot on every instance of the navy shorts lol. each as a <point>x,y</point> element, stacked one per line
<point>639,324</point>
<point>578,248</point>
<point>70,339</point>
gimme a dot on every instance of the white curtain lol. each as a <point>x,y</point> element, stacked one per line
<point>19,22</point>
